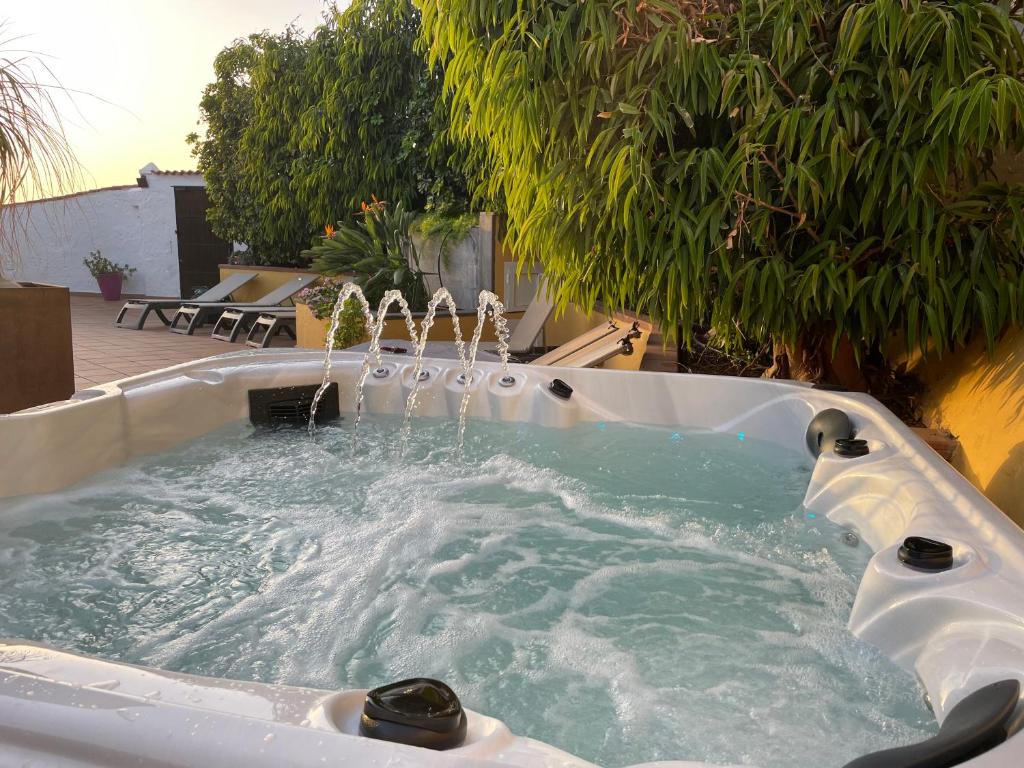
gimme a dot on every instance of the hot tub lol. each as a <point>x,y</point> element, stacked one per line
<point>958,629</point>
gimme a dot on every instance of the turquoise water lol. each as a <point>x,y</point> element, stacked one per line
<point>625,593</point>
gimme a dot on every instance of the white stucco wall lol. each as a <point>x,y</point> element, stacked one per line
<point>134,226</point>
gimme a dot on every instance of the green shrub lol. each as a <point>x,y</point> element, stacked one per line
<point>790,170</point>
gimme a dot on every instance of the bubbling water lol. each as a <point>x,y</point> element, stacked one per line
<point>375,327</point>
<point>628,594</point>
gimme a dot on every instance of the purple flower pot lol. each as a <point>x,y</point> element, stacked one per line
<point>110,286</point>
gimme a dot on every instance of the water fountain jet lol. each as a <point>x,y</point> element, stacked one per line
<point>489,305</point>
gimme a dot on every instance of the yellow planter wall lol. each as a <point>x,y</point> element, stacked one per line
<point>309,332</point>
<point>980,400</point>
<point>312,333</point>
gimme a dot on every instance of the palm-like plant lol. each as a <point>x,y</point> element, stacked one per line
<point>35,155</point>
<point>377,250</point>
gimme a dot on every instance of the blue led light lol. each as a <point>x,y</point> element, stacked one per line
<point>600,425</point>
<point>742,435</point>
<point>811,516</point>
<point>676,437</point>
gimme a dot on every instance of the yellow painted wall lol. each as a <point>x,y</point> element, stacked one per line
<point>491,226</point>
<point>980,400</point>
<point>561,326</point>
<point>564,326</point>
<point>265,281</point>
<point>312,332</point>
<point>309,332</point>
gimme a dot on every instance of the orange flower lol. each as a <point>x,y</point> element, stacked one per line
<point>376,205</point>
<point>329,231</point>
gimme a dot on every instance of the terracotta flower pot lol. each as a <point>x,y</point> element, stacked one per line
<point>110,285</point>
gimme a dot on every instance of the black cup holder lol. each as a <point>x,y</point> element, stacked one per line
<point>926,554</point>
<point>419,712</point>
<point>851,447</point>
<point>560,389</point>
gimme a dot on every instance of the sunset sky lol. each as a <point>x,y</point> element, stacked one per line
<point>142,65</point>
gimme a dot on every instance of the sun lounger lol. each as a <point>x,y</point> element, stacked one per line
<point>268,325</point>
<point>233,321</point>
<point>616,337</point>
<point>530,324</point>
<point>526,331</point>
<point>193,314</point>
<point>220,292</point>
<point>596,346</point>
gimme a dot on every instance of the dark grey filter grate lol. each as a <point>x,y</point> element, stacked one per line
<point>291,405</point>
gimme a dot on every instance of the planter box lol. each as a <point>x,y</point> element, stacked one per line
<point>36,361</point>
<point>312,333</point>
<point>309,332</point>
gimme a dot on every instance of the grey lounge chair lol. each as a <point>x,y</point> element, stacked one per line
<point>233,321</point>
<point>526,331</point>
<point>220,292</point>
<point>268,325</point>
<point>193,314</point>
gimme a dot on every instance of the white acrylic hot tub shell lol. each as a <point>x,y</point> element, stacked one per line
<point>958,630</point>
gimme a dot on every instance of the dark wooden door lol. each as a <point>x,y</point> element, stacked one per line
<point>199,250</point>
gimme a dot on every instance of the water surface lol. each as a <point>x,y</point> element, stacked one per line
<point>625,593</point>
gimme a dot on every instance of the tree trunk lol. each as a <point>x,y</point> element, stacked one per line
<point>810,359</point>
<point>844,368</point>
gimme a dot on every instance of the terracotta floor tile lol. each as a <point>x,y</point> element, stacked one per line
<point>106,353</point>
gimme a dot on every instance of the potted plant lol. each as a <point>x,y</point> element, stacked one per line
<point>108,274</point>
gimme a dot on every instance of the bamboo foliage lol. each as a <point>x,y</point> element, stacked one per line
<point>370,131</point>
<point>775,168</point>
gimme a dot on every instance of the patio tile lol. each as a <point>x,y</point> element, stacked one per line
<point>104,352</point>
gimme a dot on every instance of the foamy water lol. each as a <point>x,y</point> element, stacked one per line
<point>625,593</point>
